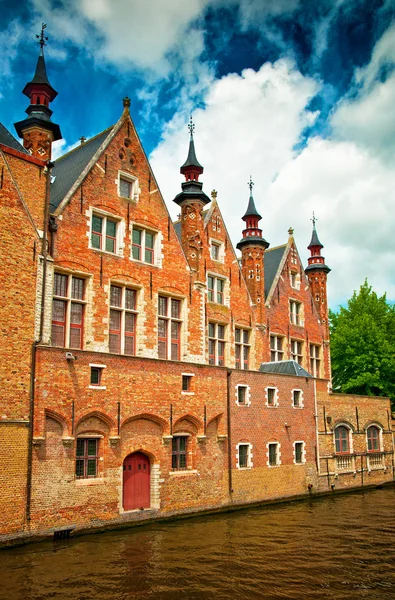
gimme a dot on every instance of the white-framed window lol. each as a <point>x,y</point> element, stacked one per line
<point>374,445</point>
<point>299,453</point>
<point>242,394</point>
<point>273,454</point>
<point>187,383</point>
<point>276,348</point>
<point>123,316</point>
<point>105,232</point>
<point>217,251</point>
<point>244,456</point>
<point>143,245</point>
<point>128,186</point>
<point>295,312</point>
<point>315,359</point>
<point>271,394</point>
<point>294,278</point>
<point>216,344</point>
<point>215,289</point>
<point>96,377</point>
<point>68,306</point>
<point>242,348</point>
<point>169,327</point>
<point>297,351</point>
<point>297,398</point>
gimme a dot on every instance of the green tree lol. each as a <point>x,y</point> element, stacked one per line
<point>363,345</point>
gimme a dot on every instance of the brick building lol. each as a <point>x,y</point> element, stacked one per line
<point>151,371</point>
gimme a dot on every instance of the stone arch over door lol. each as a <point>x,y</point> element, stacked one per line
<point>136,482</point>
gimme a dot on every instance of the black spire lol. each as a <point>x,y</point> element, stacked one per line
<point>315,242</point>
<point>252,234</point>
<point>191,167</point>
<point>251,209</point>
<point>192,188</point>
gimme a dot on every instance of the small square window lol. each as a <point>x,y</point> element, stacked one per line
<point>128,186</point>
<point>271,396</point>
<point>242,394</point>
<point>273,454</point>
<point>96,375</point>
<point>186,383</point>
<point>297,398</point>
<point>298,453</point>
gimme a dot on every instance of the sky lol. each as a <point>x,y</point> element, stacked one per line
<point>299,94</point>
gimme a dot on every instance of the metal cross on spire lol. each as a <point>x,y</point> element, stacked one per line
<point>314,219</point>
<point>191,126</point>
<point>41,37</point>
<point>250,184</point>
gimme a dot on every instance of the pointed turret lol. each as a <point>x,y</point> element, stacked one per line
<point>192,200</point>
<point>253,246</point>
<point>37,130</point>
<point>316,272</point>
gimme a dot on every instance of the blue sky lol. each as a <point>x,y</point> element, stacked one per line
<point>298,93</point>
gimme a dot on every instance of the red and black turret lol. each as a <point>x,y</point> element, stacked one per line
<point>37,130</point>
<point>253,246</point>
<point>316,272</point>
<point>192,201</point>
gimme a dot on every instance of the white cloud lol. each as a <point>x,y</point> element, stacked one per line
<point>367,118</point>
<point>249,125</point>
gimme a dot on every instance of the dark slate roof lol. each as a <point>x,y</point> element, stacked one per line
<point>314,240</point>
<point>69,167</point>
<point>177,227</point>
<point>272,262</point>
<point>251,209</point>
<point>8,139</point>
<point>191,160</point>
<point>40,76</point>
<point>285,367</point>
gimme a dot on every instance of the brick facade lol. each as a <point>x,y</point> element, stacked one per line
<point>149,340</point>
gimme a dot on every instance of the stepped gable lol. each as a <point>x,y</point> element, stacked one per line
<point>7,139</point>
<point>69,168</point>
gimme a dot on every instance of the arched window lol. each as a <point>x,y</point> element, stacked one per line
<point>342,439</point>
<point>373,435</point>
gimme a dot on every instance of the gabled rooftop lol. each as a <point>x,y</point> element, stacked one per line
<point>69,167</point>
<point>8,140</point>
<point>273,257</point>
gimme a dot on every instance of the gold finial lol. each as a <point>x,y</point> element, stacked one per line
<point>126,102</point>
<point>291,231</point>
<point>214,194</point>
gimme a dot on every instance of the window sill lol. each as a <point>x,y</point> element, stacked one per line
<point>274,466</point>
<point>182,473</point>
<point>298,407</point>
<point>93,481</point>
<point>116,254</point>
<point>243,468</point>
<point>187,393</point>
<point>143,263</point>
<point>272,405</point>
<point>97,387</point>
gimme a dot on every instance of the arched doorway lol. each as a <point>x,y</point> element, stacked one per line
<point>136,481</point>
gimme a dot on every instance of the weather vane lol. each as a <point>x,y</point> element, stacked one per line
<point>191,126</point>
<point>41,37</point>
<point>250,184</point>
<point>314,219</point>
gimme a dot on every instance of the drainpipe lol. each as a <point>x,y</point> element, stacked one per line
<point>228,373</point>
<point>44,252</point>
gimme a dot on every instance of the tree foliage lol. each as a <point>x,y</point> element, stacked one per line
<point>363,345</point>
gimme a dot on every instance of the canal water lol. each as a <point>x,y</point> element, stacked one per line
<point>340,547</point>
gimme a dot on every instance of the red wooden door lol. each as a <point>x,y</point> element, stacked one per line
<point>136,481</point>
